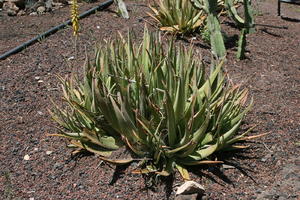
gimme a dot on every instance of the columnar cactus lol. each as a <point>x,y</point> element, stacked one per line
<point>216,39</point>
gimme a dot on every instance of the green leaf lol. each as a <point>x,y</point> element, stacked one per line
<point>107,142</point>
<point>89,146</point>
<point>183,172</point>
<point>172,135</point>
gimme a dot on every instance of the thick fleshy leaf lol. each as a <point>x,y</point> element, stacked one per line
<point>172,134</point>
<point>107,142</point>
<point>89,146</point>
<point>117,161</point>
<point>183,172</point>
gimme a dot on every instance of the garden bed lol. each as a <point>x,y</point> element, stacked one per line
<point>269,169</point>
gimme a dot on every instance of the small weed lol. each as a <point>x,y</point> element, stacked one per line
<point>205,35</point>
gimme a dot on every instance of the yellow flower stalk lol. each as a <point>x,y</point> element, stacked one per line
<point>75,17</point>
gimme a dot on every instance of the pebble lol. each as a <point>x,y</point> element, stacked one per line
<point>71,58</point>
<point>11,13</point>
<point>49,152</point>
<point>21,12</point>
<point>57,166</point>
<point>190,187</point>
<point>41,10</point>
<point>81,187</point>
<point>26,157</point>
<point>33,14</point>
<point>266,157</point>
<point>53,177</point>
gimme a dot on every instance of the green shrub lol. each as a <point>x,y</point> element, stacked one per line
<point>155,101</point>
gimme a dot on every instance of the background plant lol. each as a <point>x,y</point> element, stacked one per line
<point>187,16</point>
<point>155,101</point>
<point>180,16</point>
<point>177,16</point>
<point>246,25</point>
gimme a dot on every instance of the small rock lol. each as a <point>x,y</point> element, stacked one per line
<point>33,14</point>
<point>31,198</point>
<point>41,10</point>
<point>10,6</point>
<point>71,58</point>
<point>36,149</point>
<point>11,12</point>
<point>57,166</point>
<point>26,157</point>
<point>21,13</point>
<point>40,113</point>
<point>268,156</point>
<point>37,78</point>
<point>53,177</point>
<point>49,152</point>
<point>190,187</point>
<point>98,27</point>
<point>81,187</point>
<point>57,4</point>
<point>40,81</point>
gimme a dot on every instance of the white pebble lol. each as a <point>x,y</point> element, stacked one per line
<point>26,157</point>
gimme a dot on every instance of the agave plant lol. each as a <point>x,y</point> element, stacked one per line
<point>181,16</point>
<point>156,102</point>
<point>177,16</point>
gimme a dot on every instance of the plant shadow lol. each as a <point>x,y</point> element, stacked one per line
<point>270,33</point>
<point>290,19</point>
<point>118,172</point>
<point>199,44</point>
<point>231,41</point>
<point>217,173</point>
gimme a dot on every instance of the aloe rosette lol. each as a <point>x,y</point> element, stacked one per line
<point>157,101</point>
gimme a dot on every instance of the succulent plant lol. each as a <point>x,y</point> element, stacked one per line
<point>211,10</point>
<point>157,101</point>
<point>246,25</point>
<point>177,16</point>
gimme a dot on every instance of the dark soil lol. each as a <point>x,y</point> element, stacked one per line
<point>269,169</point>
